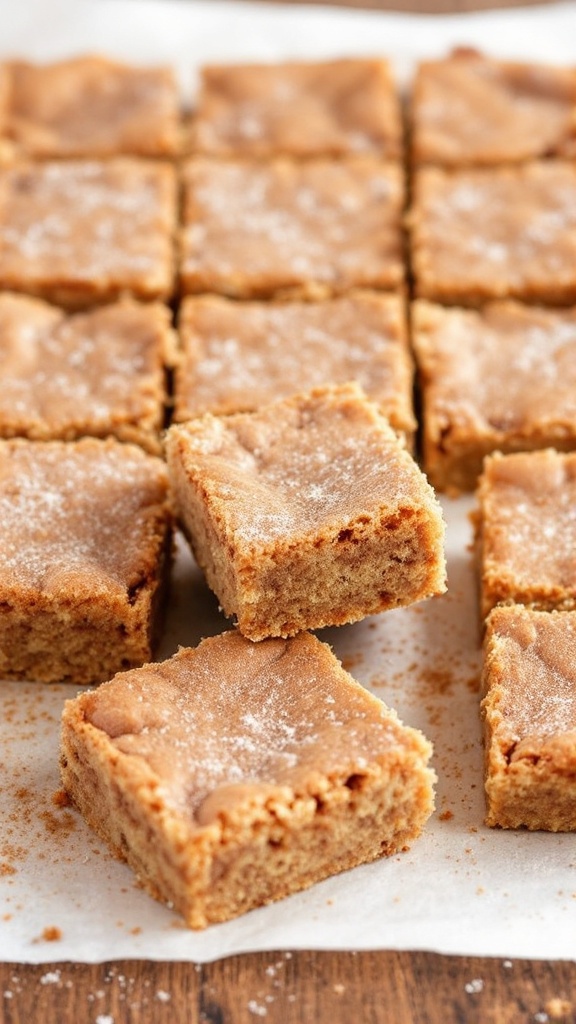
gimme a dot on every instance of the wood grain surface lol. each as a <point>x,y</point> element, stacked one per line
<point>293,988</point>
<point>300,987</point>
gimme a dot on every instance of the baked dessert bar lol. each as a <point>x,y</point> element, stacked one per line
<point>84,558</point>
<point>470,109</point>
<point>526,530</point>
<point>100,373</point>
<point>236,773</point>
<point>306,513</point>
<point>84,232</point>
<point>237,356</point>
<point>529,712</point>
<point>491,233</point>
<point>332,108</point>
<point>500,378</point>
<point>92,107</point>
<point>304,230</point>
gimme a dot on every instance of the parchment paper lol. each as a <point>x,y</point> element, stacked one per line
<point>462,888</point>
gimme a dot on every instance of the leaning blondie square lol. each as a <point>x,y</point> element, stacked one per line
<point>490,233</point>
<point>308,230</point>
<point>99,373</point>
<point>306,513</point>
<point>92,107</point>
<point>328,108</point>
<point>529,712</point>
<point>236,357</point>
<point>84,558</point>
<point>526,530</point>
<point>502,378</point>
<point>83,232</point>
<point>235,773</point>
<point>468,109</point>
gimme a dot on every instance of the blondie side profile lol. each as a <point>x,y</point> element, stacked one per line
<point>236,773</point>
<point>529,712</point>
<point>502,378</point>
<point>306,513</point>
<point>84,558</point>
<point>526,530</point>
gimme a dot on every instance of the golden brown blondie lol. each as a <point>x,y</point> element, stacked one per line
<point>502,378</point>
<point>471,109</point>
<point>526,530</point>
<point>283,228</point>
<point>84,558</point>
<point>235,773</point>
<point>237,356</point>
<point>98,373</point>
<point>91,107</point>
<point>529,712</point>
<point>82,232</point>
<point>306,513</point>
<point>490,233</point>
<point>324,108</point>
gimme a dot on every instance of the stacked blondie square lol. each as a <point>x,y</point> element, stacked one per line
<point>269,227</point>
<point>493,227</point>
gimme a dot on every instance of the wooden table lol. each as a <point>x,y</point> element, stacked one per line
<point>299,987</point>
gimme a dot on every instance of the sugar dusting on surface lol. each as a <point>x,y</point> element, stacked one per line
<point>320,216</point>
<point>291,469</point>
<point>83,509</point>
<point>273,713</point>
<point>83,220</point>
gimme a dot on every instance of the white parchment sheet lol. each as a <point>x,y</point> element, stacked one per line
<point>462,888</point>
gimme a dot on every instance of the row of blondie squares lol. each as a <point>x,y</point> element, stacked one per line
<point>492,224</point>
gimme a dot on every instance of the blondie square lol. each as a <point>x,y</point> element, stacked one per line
<point>529,712</point>
<point>526,530</point>
<point>100,373</point>
<point>333,108</point>
<point>236,357</point>
<point>236,773</point>
<point>468,109</point>
<point>84,558</point>
<point>502,378</point>
<point>307,230</point>
<point>306,513</point>
<point>491,233</point>
<point>85,232</point>
<point>92,107</point>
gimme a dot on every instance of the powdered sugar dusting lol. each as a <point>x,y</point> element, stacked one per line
<point>86,221</point>
<point>235,713</point>
<point>86,373</point>
<point>296,224</point>
<point>80,511</point>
